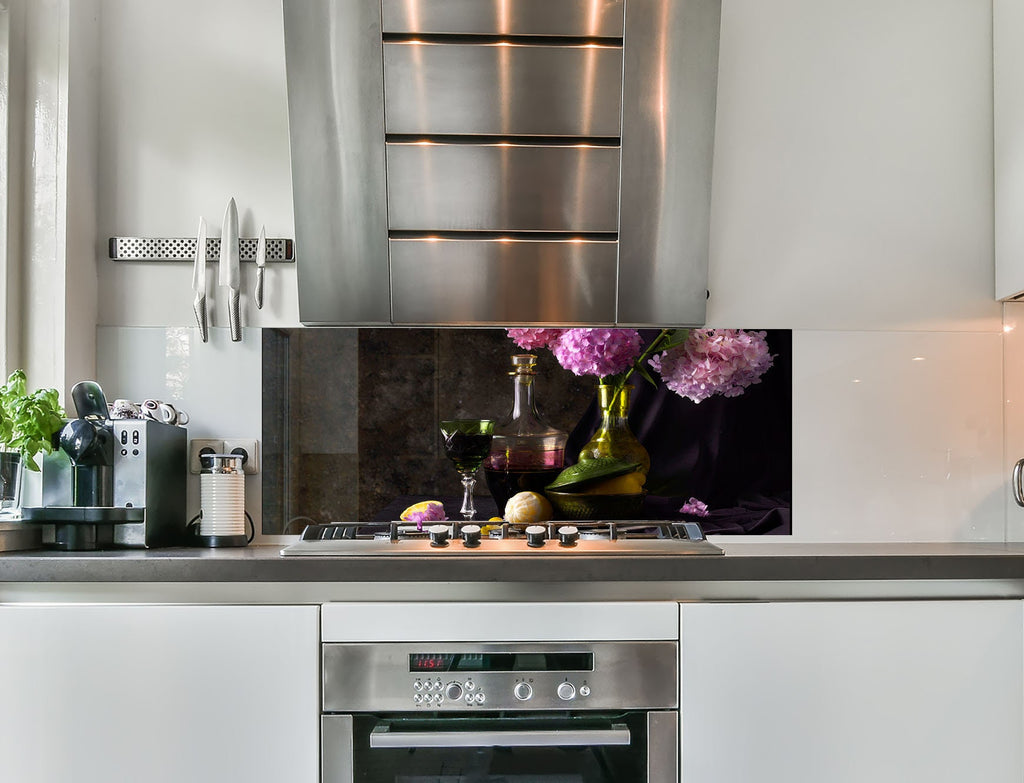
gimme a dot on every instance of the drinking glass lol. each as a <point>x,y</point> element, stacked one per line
<point>466,443</point>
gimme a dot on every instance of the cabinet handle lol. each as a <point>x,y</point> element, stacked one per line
<point>382,737</point>
<point>1018,487</point>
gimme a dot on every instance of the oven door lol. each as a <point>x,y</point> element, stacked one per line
<point>630,747</point>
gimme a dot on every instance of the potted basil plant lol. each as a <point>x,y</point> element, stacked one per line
<point>28,423</point>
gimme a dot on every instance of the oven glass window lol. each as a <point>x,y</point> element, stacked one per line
<point>616,754</point>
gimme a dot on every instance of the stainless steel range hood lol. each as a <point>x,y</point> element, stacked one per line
<point>513,162</point>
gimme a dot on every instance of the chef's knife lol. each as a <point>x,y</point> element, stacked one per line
<point>229,275</point>
<point>261,262</point>
<point>199,281</point>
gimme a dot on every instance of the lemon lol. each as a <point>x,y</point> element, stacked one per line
<point>426,510</point>
<point>630,484</point>
<point>528,508</point>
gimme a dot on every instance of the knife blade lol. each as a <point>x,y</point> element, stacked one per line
<point>261,262</point>
<point>229,273</point>
<point>199,282</point>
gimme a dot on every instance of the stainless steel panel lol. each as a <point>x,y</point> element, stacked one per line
<point>670,68</point>
<point>663,747</point>
<point>336,749</point>
<point>662,548</point>
<point>376,677</point>
<point>336,124</point>
<point>502,89</point>
<point>502,187</point>
<point>597,18</point>
<point>494,281</point>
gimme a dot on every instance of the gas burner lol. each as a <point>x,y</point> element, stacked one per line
<point>567,538</point>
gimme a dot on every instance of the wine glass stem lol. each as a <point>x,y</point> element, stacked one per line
<point>468,510</point>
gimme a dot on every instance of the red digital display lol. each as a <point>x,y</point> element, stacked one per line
<point>430,662</point>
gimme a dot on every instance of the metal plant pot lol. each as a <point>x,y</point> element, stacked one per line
<point>11,469</point>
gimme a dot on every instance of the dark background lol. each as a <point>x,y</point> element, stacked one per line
<point>350,427</point>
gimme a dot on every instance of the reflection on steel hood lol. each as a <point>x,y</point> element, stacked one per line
<point>495,162</point>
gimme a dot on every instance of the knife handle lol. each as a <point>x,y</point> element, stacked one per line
<point>258,294</point>
<point>199,306</point>
<point>234,317</point>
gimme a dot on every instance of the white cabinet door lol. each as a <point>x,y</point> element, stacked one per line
<point>858,692</point>
<point>160,694</point>
<point>1008,131</point>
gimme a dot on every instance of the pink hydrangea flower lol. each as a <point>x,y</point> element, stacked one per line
<point>714,361</point>
<point>532,339</point>
<point>599,352</point>
<point>696,507</point>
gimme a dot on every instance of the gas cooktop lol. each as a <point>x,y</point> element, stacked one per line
<point>457,539</point>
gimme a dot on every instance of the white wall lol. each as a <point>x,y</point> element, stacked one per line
<point>852,203</point>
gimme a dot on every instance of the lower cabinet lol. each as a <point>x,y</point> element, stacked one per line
<point>852,692</point>
<point>159,694</point>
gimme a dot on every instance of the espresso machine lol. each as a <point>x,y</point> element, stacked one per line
<point>112,483</point>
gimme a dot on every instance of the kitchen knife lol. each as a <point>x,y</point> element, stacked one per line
<point>261,262</point>
<point>229,274</point>
<point>199,281</point>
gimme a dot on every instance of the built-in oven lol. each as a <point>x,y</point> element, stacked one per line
<point>516,712</point>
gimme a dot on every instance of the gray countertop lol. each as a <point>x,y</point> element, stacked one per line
<point>742,562</point>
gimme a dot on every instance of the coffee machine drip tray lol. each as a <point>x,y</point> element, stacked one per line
<point>83,527</point>
<point>90,515</point>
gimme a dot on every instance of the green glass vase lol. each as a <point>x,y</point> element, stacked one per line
<point>614,438</point>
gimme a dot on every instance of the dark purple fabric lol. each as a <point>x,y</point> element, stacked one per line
<point>734,454</point>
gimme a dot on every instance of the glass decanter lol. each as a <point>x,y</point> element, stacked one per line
<point>526,452</point>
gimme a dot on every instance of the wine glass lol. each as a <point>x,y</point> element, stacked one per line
<point>466,443</point>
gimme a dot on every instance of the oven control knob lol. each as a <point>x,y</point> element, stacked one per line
<point>453,692</point>
<point>568,535</point>
<point>535,535</point>
<point>522,691</point>
<point>471,535</point>
<point>584,690</point>
<point>566,691</point>
<point>438,535</point>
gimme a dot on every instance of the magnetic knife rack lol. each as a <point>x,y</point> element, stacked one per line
<point>279,251</point>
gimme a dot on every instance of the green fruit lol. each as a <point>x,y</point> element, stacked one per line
<point>591,470</point>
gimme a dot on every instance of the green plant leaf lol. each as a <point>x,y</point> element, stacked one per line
<point>28,422</point>
<point>645,373</point>
<point>675,338</point>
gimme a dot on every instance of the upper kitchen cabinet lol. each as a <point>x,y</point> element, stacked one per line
<point>487,162</point>
<point>1008,114</point>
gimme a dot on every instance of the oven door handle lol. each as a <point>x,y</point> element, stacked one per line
<point>383,737</point>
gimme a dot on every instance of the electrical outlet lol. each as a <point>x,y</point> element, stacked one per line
<point>199,446</point>
<point>250,448</point>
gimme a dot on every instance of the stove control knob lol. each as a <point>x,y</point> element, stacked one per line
<point>453,692</point>
<point>522,691</point>
<point>568,535</point>
<point>438,535</point>
<point>471,535</point>
<point>535,535</point>
<point>584,690</point>
<point>566,691</point>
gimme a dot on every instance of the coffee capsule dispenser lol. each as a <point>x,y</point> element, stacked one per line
<point>112,483</point>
